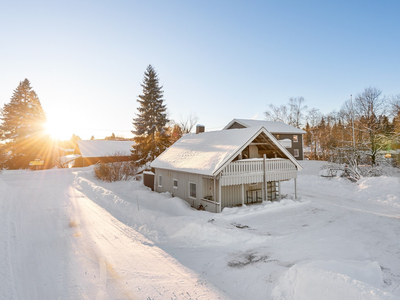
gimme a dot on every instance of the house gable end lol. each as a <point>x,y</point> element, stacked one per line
<point>267,139</point>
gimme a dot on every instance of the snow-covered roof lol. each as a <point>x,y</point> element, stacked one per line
<point>67,158</point>
<point>207,153</point>
<point>271,126</point>
<point>101,148</point>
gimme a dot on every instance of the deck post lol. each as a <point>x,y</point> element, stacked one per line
<point>264,196</point>
<point>295,188</point>
<point>279,190</point>
<point>242,194</point>
<point>215,194</point>
<point>219,195</point>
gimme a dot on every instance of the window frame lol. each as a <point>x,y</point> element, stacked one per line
<point>195,190</point>
<point>294,152</point>
<point>295,138</point>
<point>160,180</point>
<point>173,183</point>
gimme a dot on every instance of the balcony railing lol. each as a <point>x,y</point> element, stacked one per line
<point>247,171</point>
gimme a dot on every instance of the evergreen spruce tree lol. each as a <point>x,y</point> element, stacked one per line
<point>151,137</point>
<point>22,124</point>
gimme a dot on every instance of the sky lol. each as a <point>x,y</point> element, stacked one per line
<point>217,59</point>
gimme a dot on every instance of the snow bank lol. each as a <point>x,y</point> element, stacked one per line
<point>385,190</point>
<point>260,207</point>
<point>331,280</point>
<point>160,217</point>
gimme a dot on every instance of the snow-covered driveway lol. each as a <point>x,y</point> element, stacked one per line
<point>58,244</point>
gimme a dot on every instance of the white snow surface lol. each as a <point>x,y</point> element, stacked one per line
<point>101,148</point>
<point>66,235</point>
<point>271,126</point>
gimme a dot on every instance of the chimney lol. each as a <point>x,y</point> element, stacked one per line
<point>200,128</point>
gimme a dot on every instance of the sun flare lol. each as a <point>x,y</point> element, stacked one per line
<point>58,130</point>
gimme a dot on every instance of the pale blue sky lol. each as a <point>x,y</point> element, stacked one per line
<point>218,59</point>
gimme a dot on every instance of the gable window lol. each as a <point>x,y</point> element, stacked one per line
<point>192,190</point>
<point>295,138</point>
<point>296,153</point>
<point>159,180</point>
<point>278,136</point>
<point>175,184</point>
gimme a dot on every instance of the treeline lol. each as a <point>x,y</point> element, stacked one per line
<point>23,136</point>
<point>365,127</point>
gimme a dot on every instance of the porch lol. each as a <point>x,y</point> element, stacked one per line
<point>250,171</point>
<point>247,181</point>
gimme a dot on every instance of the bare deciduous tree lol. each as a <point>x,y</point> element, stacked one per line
<point>291,114</point>
<point>187,124</point>
<point>368,107</point>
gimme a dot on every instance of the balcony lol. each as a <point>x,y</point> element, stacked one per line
<point>248,171</point>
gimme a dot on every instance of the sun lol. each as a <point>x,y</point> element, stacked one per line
<point>58,130</point>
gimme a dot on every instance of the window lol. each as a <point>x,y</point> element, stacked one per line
<point>159,180</point>
<point>296,152</point>
<point>278,137</point>
<point>192,190</point>
<point>175,185</point>
<point>295,138</point>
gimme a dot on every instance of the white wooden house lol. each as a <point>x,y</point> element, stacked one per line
<point>225,168</point>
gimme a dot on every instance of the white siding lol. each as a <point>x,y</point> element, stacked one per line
<point>183,185</point>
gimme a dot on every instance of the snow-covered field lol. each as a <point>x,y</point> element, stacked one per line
<point>66,235</point>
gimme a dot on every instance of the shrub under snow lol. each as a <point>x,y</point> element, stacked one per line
<point>115,171</point>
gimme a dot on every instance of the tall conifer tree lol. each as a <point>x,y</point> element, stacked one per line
<point>22,124</point>
<point>151,137</point>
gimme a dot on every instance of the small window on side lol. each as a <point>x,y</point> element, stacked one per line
<point>192,190</point>
<point>175,185</point>
<point>296,153</point>
<point>159,180</point>
<point>295,138</point>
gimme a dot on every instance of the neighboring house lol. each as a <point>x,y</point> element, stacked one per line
<point>218,169</point>
<point>93,151</point>
<point>290,137</point>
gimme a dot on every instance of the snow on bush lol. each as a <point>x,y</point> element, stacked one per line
<point>355,172</point>
<point>115,171</point>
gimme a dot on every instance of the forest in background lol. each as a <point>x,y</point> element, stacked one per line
<point>366,127</point>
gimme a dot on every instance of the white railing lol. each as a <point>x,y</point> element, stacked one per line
<point>249,171</point>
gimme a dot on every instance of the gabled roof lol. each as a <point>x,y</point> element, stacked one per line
<point>271,126</point>
<point>102,148</point>
<point>209,152</point>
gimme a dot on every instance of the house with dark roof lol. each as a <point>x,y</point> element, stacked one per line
<point>217,169</point>
<point>290,137</point>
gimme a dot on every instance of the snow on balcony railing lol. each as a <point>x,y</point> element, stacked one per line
<point>249,171</point>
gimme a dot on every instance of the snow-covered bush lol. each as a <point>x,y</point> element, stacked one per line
<point>354,172</point>
<point>115,171</point>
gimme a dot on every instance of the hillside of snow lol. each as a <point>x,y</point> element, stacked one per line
<point>66,235</point>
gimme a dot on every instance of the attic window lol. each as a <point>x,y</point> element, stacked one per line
<point>295,138</point>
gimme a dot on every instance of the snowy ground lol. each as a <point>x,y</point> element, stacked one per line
<point>66,235</point>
